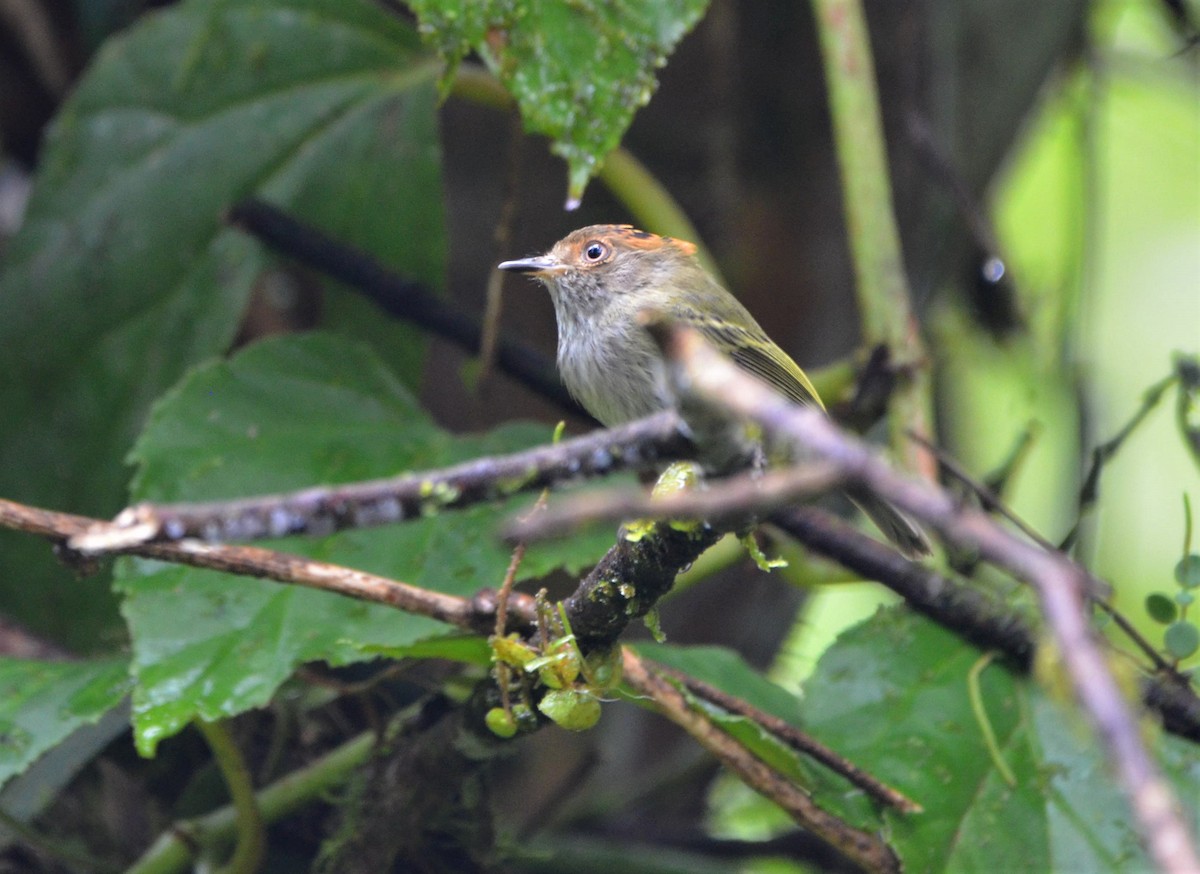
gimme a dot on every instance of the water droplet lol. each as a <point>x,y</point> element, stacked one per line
<point>992,269</point>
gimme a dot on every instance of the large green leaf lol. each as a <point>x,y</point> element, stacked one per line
<point>578,70</point>
<point>284,414</point>
<point>892,695</point>
<point>43,702</point>
<point>123,274</point>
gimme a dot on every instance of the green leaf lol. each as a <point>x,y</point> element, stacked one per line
<point>1181,639</point>
<point>1187,571</point>
<point>579,70</point>
<point>124,275</point>
<point>1160,608</point>
<point>41,703</point>
<point>470,649</point>
<point>289,413</point>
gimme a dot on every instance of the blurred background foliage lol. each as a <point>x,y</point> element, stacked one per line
<point>1062,139</point>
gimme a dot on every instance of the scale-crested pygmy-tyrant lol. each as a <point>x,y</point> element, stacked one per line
<point>601,277</point>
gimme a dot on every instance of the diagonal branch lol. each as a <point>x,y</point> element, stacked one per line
<point>796,739</point>
<point>478,615</point>
<point>397,296</point>
<point>865,849</point>
<point>701,374</point>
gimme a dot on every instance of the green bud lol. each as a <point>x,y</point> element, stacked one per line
<point>500,722</point>
<point>603,668</point>
<point>572,709</point>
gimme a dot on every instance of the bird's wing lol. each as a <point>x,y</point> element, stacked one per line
<point>755,352</point>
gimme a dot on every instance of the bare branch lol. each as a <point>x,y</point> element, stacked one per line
<point>400,298</point>
<point>475,615</point>
<point>797,740</point>
<point>324,509</point>
<point>724,502</point>
<point>862,847</point>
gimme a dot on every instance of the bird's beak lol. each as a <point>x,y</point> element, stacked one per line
<point>540,264</point>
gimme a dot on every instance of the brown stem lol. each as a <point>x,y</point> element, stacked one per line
<point>797,740</point>
<point>863,848</point>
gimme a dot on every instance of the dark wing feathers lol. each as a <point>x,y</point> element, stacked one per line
<point>773,365</point>
<point>749,346</point>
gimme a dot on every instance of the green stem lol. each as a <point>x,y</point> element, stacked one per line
<point>173,852</point>
<point>645,197</point>
<point>251,843</point>
<point>862,159</point>
<point>881,285</point>
<point>979,709</point>
<point>639,190</point>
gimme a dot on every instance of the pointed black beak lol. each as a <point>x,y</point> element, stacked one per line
<point>540,264</point>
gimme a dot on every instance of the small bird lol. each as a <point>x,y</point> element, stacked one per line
<point>602,276</point>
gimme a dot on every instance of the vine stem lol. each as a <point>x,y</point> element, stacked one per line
<point>884,301</point>
<point>175,849</point>
<point>251,830</point>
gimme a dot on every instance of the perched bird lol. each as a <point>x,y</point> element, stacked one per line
<point>601,277</point>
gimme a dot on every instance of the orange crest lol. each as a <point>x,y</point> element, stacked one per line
<point>632,238</point>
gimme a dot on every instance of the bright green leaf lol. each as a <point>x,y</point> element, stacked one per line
<point>43,702</point>
<point>285,414</point>
<point>579,71</point>
<point>124,274</point>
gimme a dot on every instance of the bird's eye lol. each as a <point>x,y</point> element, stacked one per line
<point>595,251</point>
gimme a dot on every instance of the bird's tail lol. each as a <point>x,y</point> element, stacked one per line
<point>896,527</point>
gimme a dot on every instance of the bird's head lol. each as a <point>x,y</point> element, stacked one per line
<point>587,269</point>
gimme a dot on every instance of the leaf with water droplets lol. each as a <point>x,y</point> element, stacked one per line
<point>579,71</point>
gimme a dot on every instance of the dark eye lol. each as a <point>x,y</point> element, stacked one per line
<point>595,250</point>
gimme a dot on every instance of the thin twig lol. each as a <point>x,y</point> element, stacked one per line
<point>322,510</point>
<point>501,242</point>
<point>862,847</point>
<point>994,503</point>
<point>796,739</point>
<point>1089,492</point>
<point>732,498</point>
